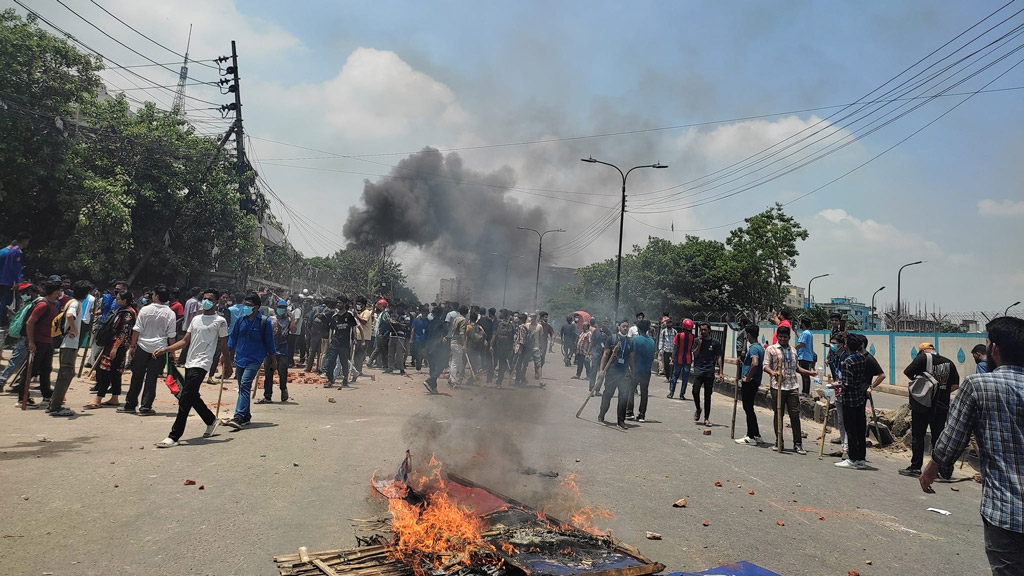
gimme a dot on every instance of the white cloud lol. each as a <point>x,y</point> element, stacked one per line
<point>847,228</point>
<point>1009,208</point>
<point>377,95</point>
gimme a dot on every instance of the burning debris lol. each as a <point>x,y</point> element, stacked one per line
<point>449,526</point>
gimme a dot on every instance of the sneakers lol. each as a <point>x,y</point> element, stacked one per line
<point>210,429</point>
<point>670,396</point>
<point>775,447</point>
<point>696,415</point>
<point>234,424</point>
<point>850,464</point>
<point>911,472</point>
<point>800,450</point>
<point>641,419</point>
<point>167,443</point>
<point>746,441</point>
<point>861,464</point>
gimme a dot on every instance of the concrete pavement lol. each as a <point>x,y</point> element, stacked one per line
<point>97,498</point>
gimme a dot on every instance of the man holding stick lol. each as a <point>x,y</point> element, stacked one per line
<point>206,333</point>
<point>782,365</point>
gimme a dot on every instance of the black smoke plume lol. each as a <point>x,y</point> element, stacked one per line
<point>458,215</point>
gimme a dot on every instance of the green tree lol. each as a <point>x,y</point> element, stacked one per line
<point>762,254</point>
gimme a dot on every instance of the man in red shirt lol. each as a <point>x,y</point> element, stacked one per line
<point>682,357</point>
<point>39,340</point>
<point>782,319</point>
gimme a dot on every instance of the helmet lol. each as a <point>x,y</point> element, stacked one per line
<point>687,324</point>
<point>383,303</point>
<point>305,290</point>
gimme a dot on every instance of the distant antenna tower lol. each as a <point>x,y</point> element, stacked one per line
<point>179,94</point>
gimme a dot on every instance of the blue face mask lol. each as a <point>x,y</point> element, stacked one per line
<point>207,304</point>
<point>246,310</point>
<point>833,347</point>
<point>282,311</point>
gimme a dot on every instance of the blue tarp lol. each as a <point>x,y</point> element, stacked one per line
<point>734,569</point>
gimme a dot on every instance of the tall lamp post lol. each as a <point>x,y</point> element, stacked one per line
<point>622,216</point>
<point>873,315</point>
<point>1007,311</point>
<point>809,288</point>
<point>508,259</point>
<point>899,279</point>
<point>540,248</point>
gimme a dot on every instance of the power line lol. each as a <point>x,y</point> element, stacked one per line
<point>178,54</point>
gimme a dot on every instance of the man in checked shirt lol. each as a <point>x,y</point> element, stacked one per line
<point>991,406</point>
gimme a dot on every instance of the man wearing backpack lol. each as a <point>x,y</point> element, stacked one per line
<point>947,379</point>
<point>501,345</point>
<point>319,317</point>
<point>71,328</point>
<point>476,343</point>
<point>28,295</point>
<point>39,339</point>
<point>155,327</point>
<point>249,344</point>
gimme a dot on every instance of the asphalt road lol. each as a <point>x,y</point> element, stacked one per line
<point>97,498</point>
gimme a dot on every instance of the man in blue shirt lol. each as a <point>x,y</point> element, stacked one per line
<point>599,335</point>
<point>10,274</point>
<point>251,340</point>
<point>805,352</point>
<point>643,359</point>
<point>750,382</point>
<point>419,339</point>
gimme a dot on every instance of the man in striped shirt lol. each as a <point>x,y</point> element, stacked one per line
<point>991,406</point>
<point>682,357</point>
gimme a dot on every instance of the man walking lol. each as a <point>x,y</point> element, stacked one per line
<point>501,345</point>
<point>72,330</point>
<point>943,371</point>
<point>419,339</point>
<point>207,333</point>
<point>340,328</point>
<point>457,338</point>
<point>281,324</point>
<point>666,344</point>
<point>750,383</point>
<point>643,361</point>
<point>710,355</point>
<point>436,348</point>
<point>991,406</point>
<point>583,344</point>
<point>617,364</point>
<point>569,335</point>
<point>364,332</point>
<point>249,344</point>
<point>780,360</point>
<point>319,316</point>
<point>10,273</point>
<point>855,385</point>
<point>155,328</point>
<point>398,345</point>
<point>682,357</point>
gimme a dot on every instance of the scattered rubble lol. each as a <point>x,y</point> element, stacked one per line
<point>653,535</point>
<point>190,482</point>
<point>681,503</point>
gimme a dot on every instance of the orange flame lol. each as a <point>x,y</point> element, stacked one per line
<point>582,516</point>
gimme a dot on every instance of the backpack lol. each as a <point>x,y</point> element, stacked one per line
<point>475,335</point>
<point>105,333</point>
<point>18,322</point>
<point>504,335</point>
<point>57,328</point>
<point>922,388</point>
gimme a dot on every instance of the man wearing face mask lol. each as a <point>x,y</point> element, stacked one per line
<point>251,341</point>
<point>155,327</point>
<point>991,405</point>
<point>364,333</point>
<point>617,366</point>
<point>207,333</point>
<point>282,325</point>
<point>340,328</point>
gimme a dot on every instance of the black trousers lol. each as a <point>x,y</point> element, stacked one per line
<point>42,365</point>
<point>806,365</point>
<point>707,381</point>
<point>791,404</point>
<point>268,376</point>
<point>502,360</point>
<point>292,340</point>
<point>856,424</point>
<point>145,371</point>
<point>437,361</point>
<point>643,382</point>
<point>189,400</point>
<point>301,345</point>
<point>360,355</point>
<point>921,421</point>
<point>616,381</point>
<point>582,362</point>
<point>1005,550</point>
<point>314,351</point>
<point>666,364</point>
<point>749,394</point>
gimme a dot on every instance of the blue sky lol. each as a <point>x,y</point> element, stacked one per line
<point>360,78</point>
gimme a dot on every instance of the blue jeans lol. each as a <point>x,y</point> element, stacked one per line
<point>18,356</point>
<point>679,369</point>
<point>245,376</point>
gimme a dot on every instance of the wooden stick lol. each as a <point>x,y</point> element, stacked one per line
<point>324,567</point>
<point>778,409</point>
<point>220,393</point>
<point>303,554</point>
<point>824,428</point>
<point>736,388</point>
<point>28,379</point>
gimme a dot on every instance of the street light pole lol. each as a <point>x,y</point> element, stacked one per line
<point>899,279</point>
<point>622,218</point>
<point>1007,311</point>
<point>873,315</point>
<point>540,249</point>
<point>809,289</point>
<point>508,260</point>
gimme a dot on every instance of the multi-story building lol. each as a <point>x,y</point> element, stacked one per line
<point>853,310</point>
<point>794,299</point>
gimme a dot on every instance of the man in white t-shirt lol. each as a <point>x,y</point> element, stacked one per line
<point>72,328</point>
<point>155,327</point>
<point>207,332</point>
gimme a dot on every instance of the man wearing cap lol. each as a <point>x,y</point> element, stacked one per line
<point>281,323</point>
<point>924,417</point>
